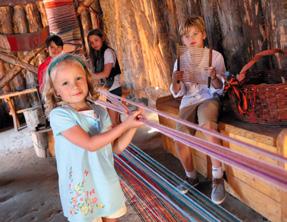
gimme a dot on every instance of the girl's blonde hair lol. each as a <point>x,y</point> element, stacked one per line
<point>49,93</point>
<point>194,21</point>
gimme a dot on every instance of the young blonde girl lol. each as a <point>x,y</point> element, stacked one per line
<point>88,184</point>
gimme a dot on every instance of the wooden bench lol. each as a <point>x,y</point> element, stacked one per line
<point>257,193</point>
<point>8,98</point>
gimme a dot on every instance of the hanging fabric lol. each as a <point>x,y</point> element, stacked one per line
<point>23,41</point>
<point>63,21</point>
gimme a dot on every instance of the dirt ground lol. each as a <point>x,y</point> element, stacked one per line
<point>28,184</point>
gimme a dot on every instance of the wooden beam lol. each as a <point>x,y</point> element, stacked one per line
<point>15,61</point>
<point>12,94</point>
<point>16,2</point>
<point>10,75</point>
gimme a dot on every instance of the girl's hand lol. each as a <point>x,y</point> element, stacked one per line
<point>134,119</point>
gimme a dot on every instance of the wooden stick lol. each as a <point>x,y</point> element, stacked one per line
<point>15,61</point>
<point>209,65</point>
<point>12,94</point>
<point>178,59</point>
<point>16,70</point>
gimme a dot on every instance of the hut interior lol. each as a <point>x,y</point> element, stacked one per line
<point>144,34</point>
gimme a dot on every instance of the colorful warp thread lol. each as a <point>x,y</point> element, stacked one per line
<point>151,190</point>
<point>63,21</point>
<point>24,41</point>
<point>120,108</point>
<point>148,206</point>
<point>273,174</point>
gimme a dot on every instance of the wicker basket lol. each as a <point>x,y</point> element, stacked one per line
<point>262,102</point>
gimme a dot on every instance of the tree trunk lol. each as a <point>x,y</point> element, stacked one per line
<point>35,24</point>
<point>95,16</point>
<point>33,17</point>
<point>212,25</point>
<point>184,9</point>
<point>137,26</point>
<point>42,12</point>
<point>276,26</point>
<point>86,25</point>
<point>233,43</point>
<point>20,26</point>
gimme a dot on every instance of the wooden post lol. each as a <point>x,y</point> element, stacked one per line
<point>7,28</point>
<point>13,113</point>
<point>95,15</point>
<point>35,24</point>
<point>184,9</point>
<point>282,144</point>
<point>86,25</point>
<point>42,12</point>
<point>20,21</point>
<point>40,142</point>
<point>33,17</point>
<point>33,117</point>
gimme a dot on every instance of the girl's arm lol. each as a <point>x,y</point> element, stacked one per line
<point>79,137</point>
<point>122,142</point>
<point>105,73</point>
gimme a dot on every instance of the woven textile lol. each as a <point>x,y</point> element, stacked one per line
<point>24,41</point>
<point>63,21</point>
<point>194,62</point>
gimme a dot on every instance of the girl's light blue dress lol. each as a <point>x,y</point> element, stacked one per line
<point>88,183</point>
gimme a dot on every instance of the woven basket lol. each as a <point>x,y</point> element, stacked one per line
<point>259,102</point>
